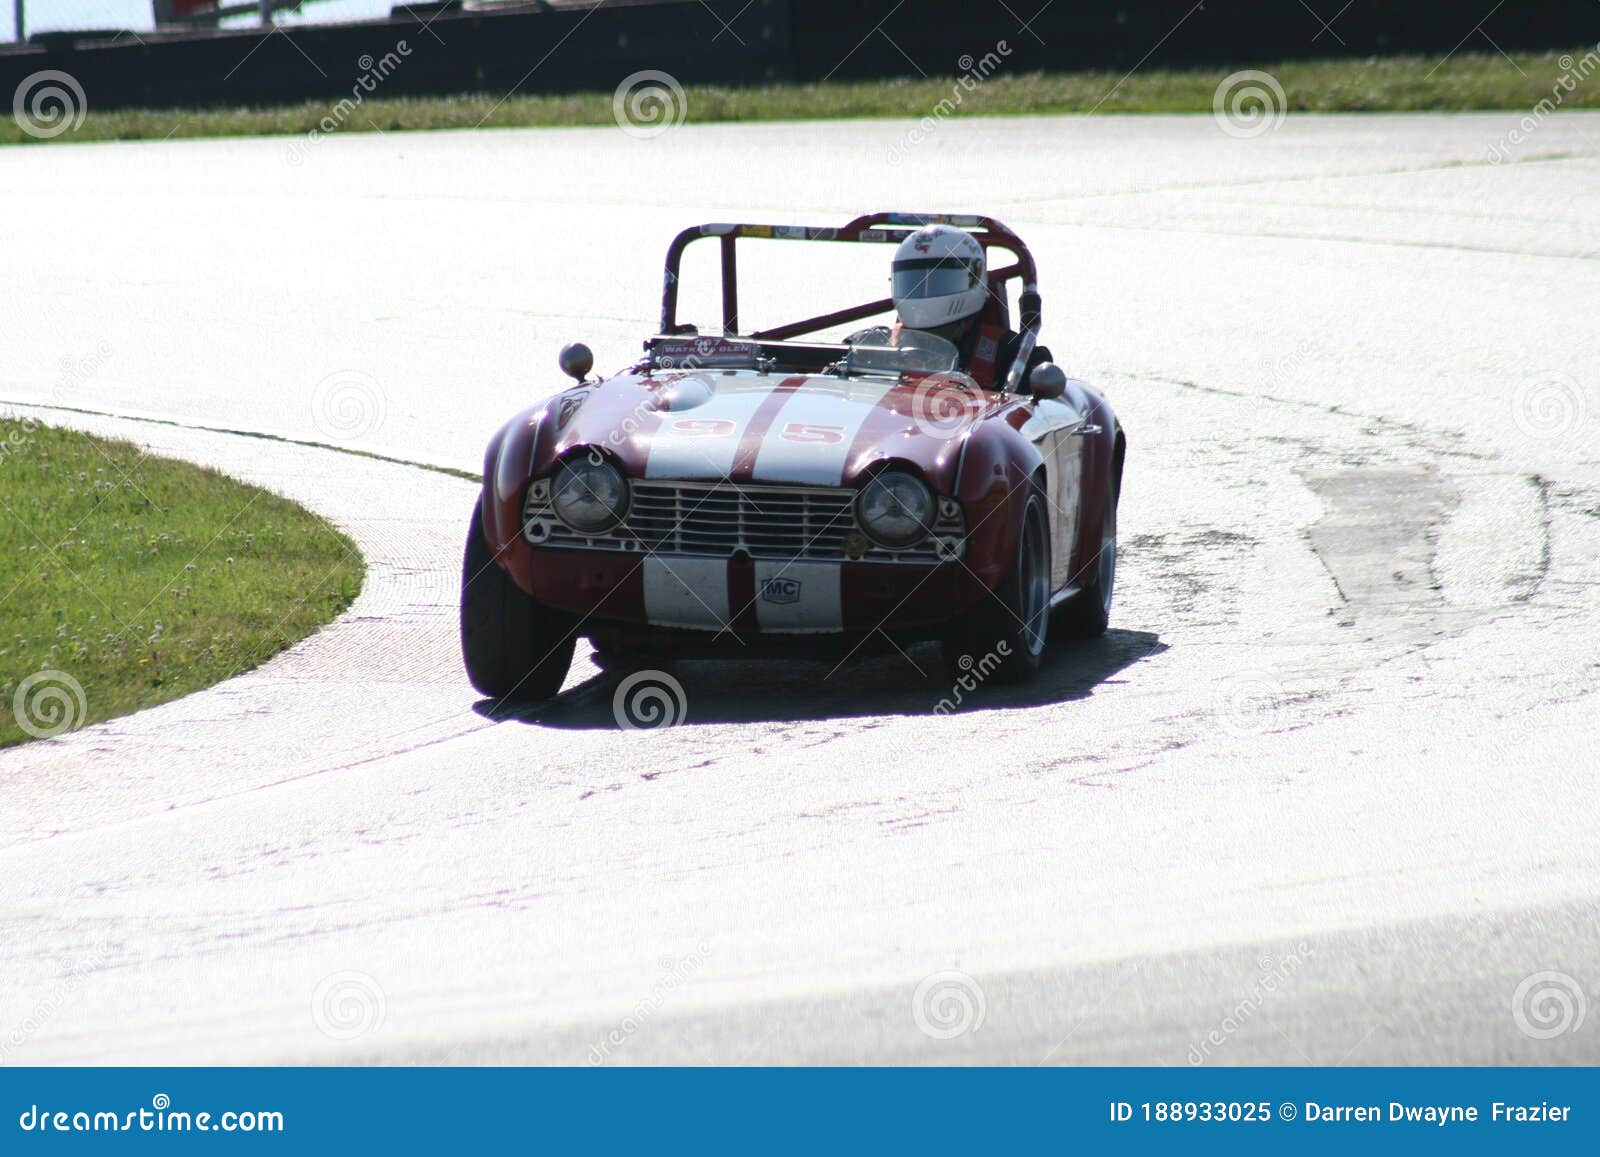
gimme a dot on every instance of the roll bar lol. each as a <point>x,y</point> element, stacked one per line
<point>873,228</point>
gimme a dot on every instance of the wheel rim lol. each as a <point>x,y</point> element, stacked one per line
<point>1108,551</point>
<point>1035,586</point>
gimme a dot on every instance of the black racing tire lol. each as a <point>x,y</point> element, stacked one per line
<point>1087,614</point>
<point>1003,638</point>
<point>515,649</point>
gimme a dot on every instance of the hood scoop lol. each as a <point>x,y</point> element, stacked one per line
<point>684,394</point>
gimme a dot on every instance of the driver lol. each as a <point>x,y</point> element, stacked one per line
<point>940,285</point>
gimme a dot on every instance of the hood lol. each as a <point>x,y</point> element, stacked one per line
<point>802,429</point>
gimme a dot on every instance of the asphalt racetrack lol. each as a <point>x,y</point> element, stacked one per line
<point>1326,793</point>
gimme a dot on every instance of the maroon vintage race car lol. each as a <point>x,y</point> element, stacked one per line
<point>756,494</point>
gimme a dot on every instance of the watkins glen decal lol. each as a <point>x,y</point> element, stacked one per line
<point>703,353</point>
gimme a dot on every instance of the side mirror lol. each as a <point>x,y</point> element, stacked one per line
<point>1047,380</point>
<point>576,360</point>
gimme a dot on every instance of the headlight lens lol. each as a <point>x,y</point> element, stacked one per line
<point>589,494</point>
<point>896,509</point>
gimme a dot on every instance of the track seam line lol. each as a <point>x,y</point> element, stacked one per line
<point>261,435</point>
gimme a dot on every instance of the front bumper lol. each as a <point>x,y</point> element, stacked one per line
<point>751,599</point>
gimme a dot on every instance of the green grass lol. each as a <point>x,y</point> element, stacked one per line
<point>1389,84</point>
<point>140,579</point>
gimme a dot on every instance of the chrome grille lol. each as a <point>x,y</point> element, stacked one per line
<point>769,522</point>
<point>722,519</point>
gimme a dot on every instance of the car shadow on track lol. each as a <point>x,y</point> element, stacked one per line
<point>914,683</point>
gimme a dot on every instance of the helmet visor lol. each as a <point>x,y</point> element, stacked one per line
<point>933,277</point>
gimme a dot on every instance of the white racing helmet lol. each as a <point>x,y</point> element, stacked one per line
<point>938,277</point>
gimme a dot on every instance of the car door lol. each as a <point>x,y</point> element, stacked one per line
<point>1052,427</point>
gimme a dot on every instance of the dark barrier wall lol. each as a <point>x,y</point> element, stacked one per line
<point>730,42</point>
<point>1071,36</point>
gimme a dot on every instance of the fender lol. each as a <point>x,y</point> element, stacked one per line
<point>1102,455</point>
<point>505,479</point>
<point>996,468</point>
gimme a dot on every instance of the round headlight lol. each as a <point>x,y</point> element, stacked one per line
<point>896,510</point>
<point>589,494</point>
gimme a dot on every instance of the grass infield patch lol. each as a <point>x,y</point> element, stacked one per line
<point>128,580</point>
<point>1466,81</point>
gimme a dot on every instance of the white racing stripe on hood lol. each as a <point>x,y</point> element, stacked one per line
<point>701,442</point>
<point>811,437</point>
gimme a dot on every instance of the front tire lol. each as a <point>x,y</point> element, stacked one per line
<point>1004,636</point>
<point>515,649</point>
